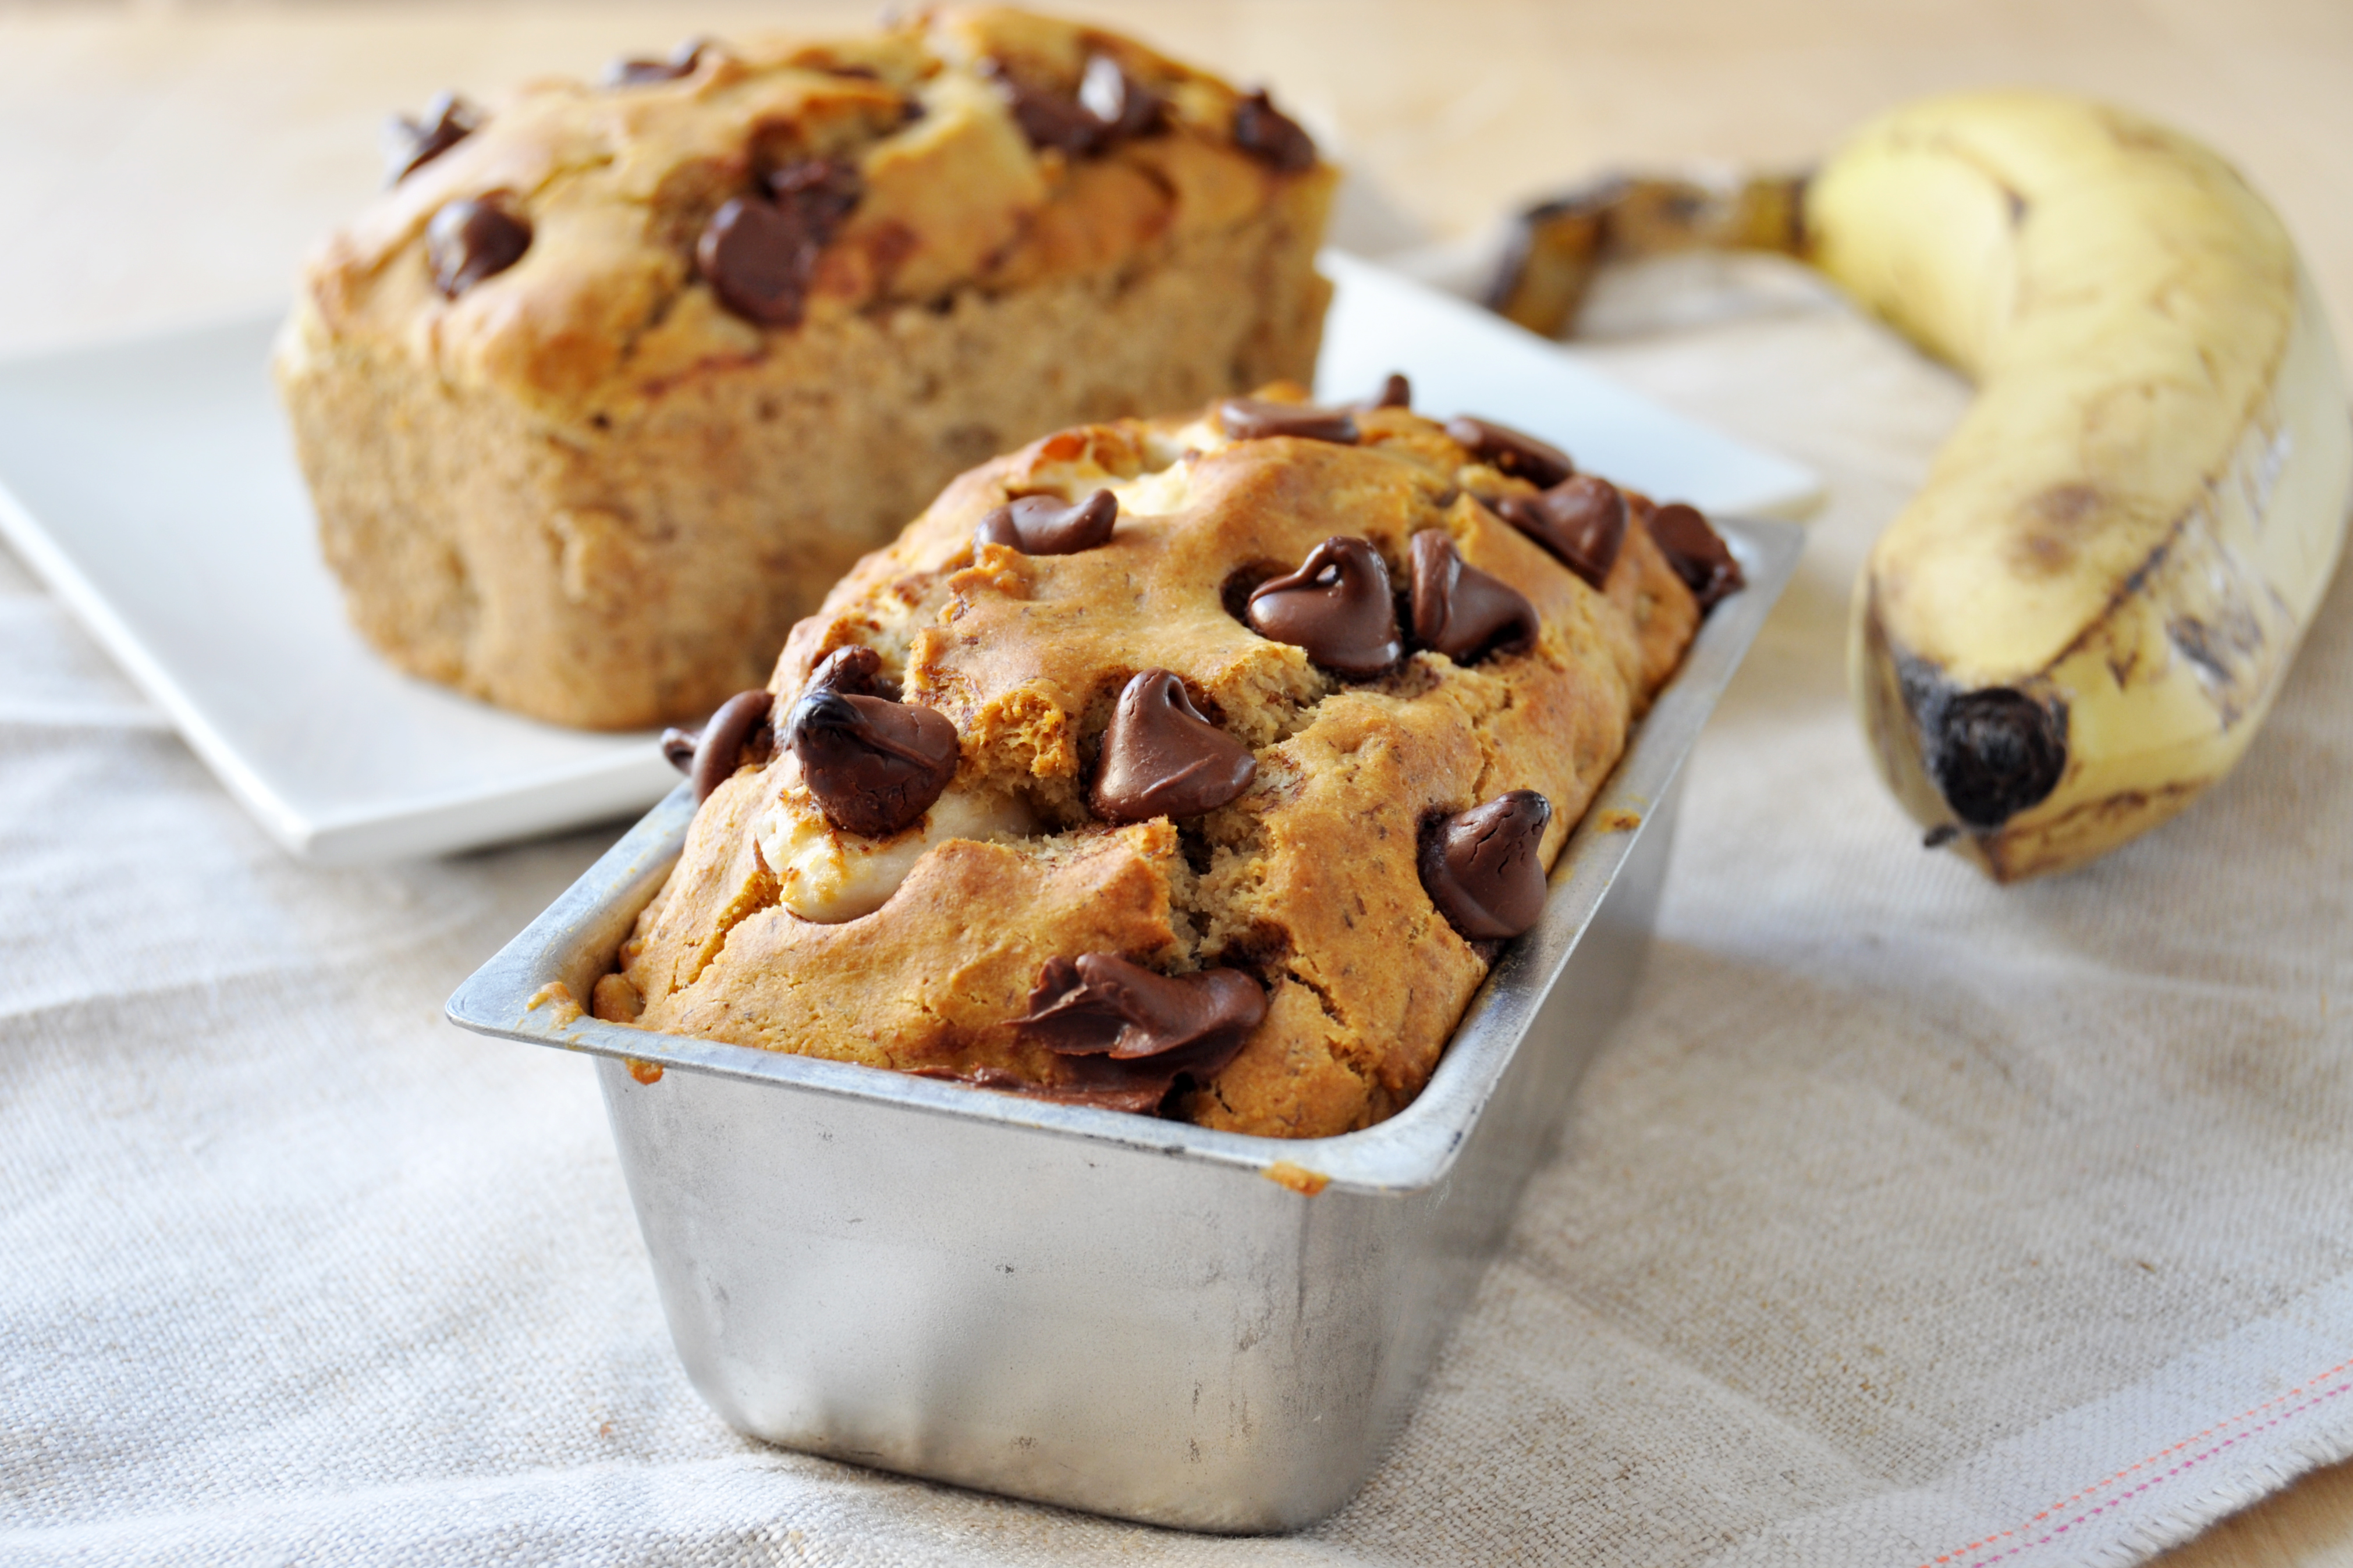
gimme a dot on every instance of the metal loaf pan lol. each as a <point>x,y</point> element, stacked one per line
<point>1130,1316</point>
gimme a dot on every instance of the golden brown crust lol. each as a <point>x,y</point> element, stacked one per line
<point>1309,881</point>
<point>588,488</point>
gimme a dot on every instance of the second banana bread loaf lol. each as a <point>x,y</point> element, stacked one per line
<point>618,377</point>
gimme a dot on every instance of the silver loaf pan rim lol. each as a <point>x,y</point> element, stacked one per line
<point>571,943</point>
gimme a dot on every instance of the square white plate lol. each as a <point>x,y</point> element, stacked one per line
<point>153,485</point>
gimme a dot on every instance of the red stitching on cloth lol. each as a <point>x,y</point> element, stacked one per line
<point>2158,1457</point>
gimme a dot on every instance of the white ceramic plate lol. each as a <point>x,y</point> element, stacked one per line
<point>152,485</point>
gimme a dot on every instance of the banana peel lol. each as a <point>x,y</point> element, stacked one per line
<point>2082,617</point>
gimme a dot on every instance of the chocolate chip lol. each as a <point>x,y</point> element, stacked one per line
<point>853,671</point>
<point>1256,418</point>
<point>471,239</point>
<point>1461,611</point>
<point>728,734</point>
<point>1336,607</point>
<point>1271,136</point>
<point>678,748</point>
<point>750,253</point>
<point>817,194</point>
<point>1047,525</point>
<point>409,144</point>
<point>1122,105</point>
<point>1162,758</point>
<point>644,73</point>
<point>759,256</point>
<point>1396,391</point>
<point>1482,869</point>
<point>1101,1004</point>
<point>1049,119</point>
<point>1510,451</point>
<point>874,765</point>
<point>1109,106</point>
<point>1696,551</point>
<point>1581,521</point>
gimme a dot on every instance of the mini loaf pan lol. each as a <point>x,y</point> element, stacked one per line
<point>1126,1315</point>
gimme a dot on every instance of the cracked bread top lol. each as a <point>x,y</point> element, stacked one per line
<point>1311,881</point>
<point>557,247</point>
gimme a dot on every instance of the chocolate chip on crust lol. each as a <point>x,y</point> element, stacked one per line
<point>1122,105</point>
<point>1481,868</point>
<point>683,60</point>
<point>1696,551</point>
<point>853,671</point>
<point>473,239</point>
<point>1101,1004</point>
<point>1338,607</point>
<point>750,253</point>
<point>874,765</point>
<point>817,194</point>
<point>1109,107</point>
<point>1271,136</point>
<point>1256,418</point>
<point>732,731</point>
<point>1047,525</point>
<point>409,144</point>
<point>759,256</point>
<point>1510,451</point>
<point>1046,118</point>
<point>1162,758</point>
<point>1461,611</point>
<point>1581,521</point>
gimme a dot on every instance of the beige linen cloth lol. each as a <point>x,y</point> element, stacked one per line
<point>1907,1221</point>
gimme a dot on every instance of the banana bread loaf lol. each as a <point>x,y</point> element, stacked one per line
<point>1197,765</point>
<point>617,378</point>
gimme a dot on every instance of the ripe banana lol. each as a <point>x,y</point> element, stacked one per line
<point>2080,621</point>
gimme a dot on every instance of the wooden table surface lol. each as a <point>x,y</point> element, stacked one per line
<point>163,163</point>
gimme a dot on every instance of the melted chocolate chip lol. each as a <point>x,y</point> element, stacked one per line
<point>1256,418</point>
<point>1046,525</point>
<point>1696,551</point>
<point>1101,1004</point>
<point>678,748</point>
<point>469,240</point>
<point>874,765</point>
<point>1123,106</point>
<point>1336,607</point>
<point>642,72</point>
<point>1581,521</point>
<point>1271,136</point>
<point>409,144</point>
<point>1396,391</point>
<point>729,733</point>
<point>750,253</point>
<point>1162,758</point>
<point>1461,611</point>
<point>1510,451</point>
<point>1106,1085</point>
<point>1482,866</point>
